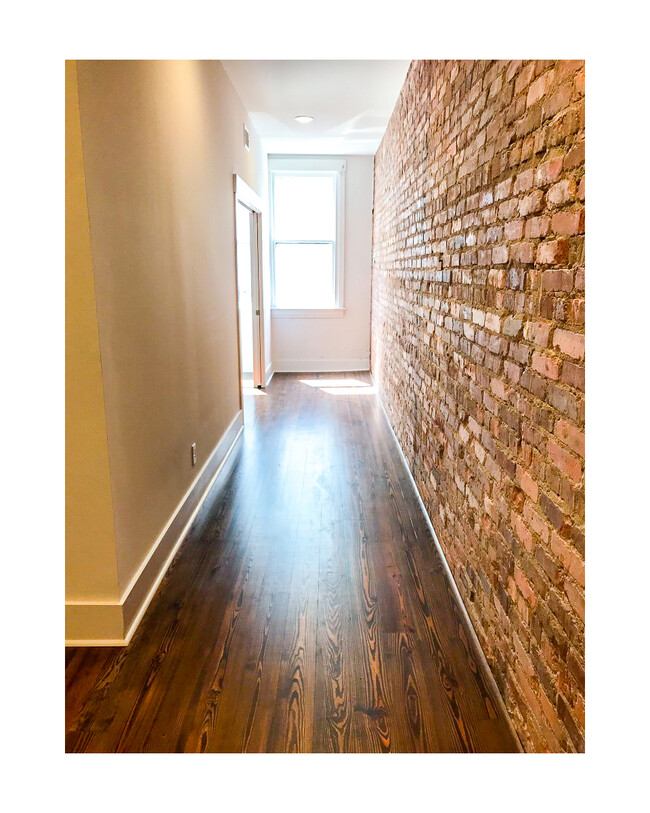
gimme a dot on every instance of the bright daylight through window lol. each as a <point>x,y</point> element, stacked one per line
<point>306,233</point>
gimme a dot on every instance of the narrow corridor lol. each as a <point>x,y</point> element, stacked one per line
<point>307,610</point>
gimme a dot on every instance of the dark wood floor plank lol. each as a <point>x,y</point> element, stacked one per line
<point>307,610</point>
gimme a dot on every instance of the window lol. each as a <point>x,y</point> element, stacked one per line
<point>306,235</point>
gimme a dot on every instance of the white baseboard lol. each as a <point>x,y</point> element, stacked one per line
<point>321,365</point>
<point>113,623</point>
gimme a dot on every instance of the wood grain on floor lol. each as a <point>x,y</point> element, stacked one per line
<point>307,610</point>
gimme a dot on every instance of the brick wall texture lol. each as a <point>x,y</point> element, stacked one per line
<point>478,351</point>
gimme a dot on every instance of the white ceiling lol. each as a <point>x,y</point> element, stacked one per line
<point>351,102</point>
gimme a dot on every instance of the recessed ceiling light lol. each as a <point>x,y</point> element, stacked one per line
<point>304,119</point>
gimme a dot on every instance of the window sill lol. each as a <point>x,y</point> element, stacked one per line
<point>309,313</point>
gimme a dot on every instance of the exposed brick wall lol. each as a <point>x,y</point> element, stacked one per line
<point>477,348</point>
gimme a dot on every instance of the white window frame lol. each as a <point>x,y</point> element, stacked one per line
<point>334,167</point>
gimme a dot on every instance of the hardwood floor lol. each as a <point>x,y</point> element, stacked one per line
<point>307,610</point>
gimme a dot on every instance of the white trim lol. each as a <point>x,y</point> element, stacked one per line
<point>249,197</point>
<point>321,365</point>
<point>307,313</point>
<point>270,372</point>
<point>184,499</point>
<point>305,163</point>
<point>107,610</point>
<point>97,642</point>
<point>477,644</point>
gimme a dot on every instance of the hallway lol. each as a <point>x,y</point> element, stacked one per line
<point>307,610</point>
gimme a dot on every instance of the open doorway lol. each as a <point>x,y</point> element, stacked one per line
<point>248,231</point>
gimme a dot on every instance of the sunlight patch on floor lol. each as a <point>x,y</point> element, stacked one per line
<point>340,386</point>
<point>365,390</point>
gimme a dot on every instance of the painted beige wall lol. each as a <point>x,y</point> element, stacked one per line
<point>337,344</point>
<point>161,142</point>
<point>91,565</point>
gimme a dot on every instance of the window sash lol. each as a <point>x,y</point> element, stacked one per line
<point>332,243</point>
<point>309,167</point>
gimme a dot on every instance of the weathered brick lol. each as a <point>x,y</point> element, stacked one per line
<point>525,587</point>
<point>539,88</point>
<point>553,251</point>
<point>548,172</point>
<point>511,326</point>
<point>514,230</point>
<point>538,332</point>
<point>478,317</point>
<point>524,181</point>
<point>565,461</point>
<point>531,203</point>
<point>500,255</point>
<point>569,558</point>
<point>493,322</point>
<point>568,223</point>
<point>561,192</point>
<point>538,226</point>
<point>557,280</point>
<point>570,436</point>
<point>548,366</point>
<point>573,375</point>
<point>523,253</point>
<point>527,483</point>
<point>502,190</point>
<point>569,343</point>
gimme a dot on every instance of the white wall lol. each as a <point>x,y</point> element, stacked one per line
<point>156,146</point>
<point>310,344</point>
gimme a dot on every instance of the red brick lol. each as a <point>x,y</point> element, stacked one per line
<point>565,461</point>
<point>553,252</point>
<point>569,343</point>
<point>502,190</point>
<point>499,388</point>
<point>538,332</point>
<point>576,598</point>
<point>569,558</point>
<point>536,522</point>
<point>538,226</point>
<point>539,88</point>
<point>575,157</point>
<point>525,588</point>
<point>561,192</point>
<point>531,203</point>
<point>524,78</point>
<point>557,280</point>
<point>514,230</point>
<point>527,484</point>
<point>546,365</point>
<point>573,375</point>
<point>570,436</point>
<point>524,182</point>
<point>569,222</point>
<point>577,311</point>
<point>523,253</point>
<point>500,255</point>
<point>499,443</point>
<point>548,172</point>
<point>493,322</point>
<point>512,371</point>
